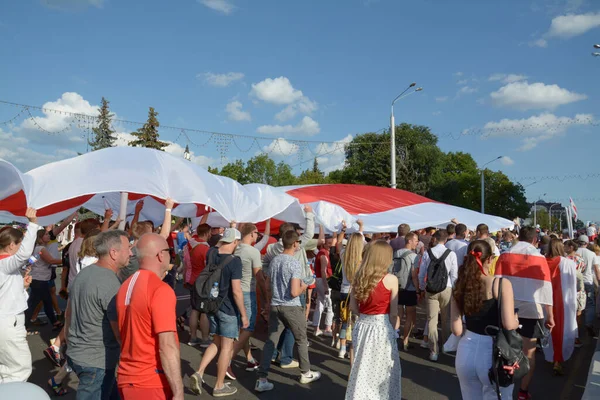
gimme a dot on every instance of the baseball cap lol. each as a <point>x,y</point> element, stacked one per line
<point>297,226</point>
<point>584,239</point>
<point>230,235</point>
<point>311,245</point>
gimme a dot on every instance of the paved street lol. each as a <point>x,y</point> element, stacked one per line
<point>421,379</point>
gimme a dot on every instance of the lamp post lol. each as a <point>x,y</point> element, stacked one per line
<point>535,211</point>
<point>550,216</point>
<point>393,132</point>
<point>186,153</point>
<point>483,183</point>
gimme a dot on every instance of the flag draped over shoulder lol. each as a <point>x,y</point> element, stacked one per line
<point>528,272</point>
<point>564,285</point>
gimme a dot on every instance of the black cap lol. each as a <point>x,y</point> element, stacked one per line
<point>297,226</point>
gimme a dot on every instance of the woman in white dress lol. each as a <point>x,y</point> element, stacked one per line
<point>376,371</point>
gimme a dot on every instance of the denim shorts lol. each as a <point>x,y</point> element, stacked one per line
<point>251,310</point>
<point>224,325</point>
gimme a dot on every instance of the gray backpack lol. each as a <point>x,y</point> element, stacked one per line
<point>402,269</point>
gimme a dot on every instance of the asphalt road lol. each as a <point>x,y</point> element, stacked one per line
<point>421,379</point>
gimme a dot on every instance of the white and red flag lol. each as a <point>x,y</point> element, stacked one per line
<point>573,209</point>
<point>528,272</point>
<point>564,287</point>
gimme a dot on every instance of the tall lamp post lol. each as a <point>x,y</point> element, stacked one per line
<point>535,210</point>
<point>393,132</point>
<point>483,183</point>
<point>550,216</point>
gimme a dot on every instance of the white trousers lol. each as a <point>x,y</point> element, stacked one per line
<point>323,302</point>
<point>15,357</point>
<point>473,361</point>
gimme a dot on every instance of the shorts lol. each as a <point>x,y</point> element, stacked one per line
<point>224,325</point>
<point>192,298</point>
<point>137,393</point>
<point>531,328</point>
<point>407,298</point>
<point>251,310</point>
<point>51,283</point>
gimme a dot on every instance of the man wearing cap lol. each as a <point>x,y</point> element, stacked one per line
<point>224,324</point>
<point>591,268</point>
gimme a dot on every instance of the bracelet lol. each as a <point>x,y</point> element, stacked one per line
<point>167,210</point>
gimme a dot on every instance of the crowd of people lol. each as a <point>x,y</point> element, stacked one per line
<point>119,331</point>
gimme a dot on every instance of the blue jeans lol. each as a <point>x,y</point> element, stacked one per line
<point>285,345</point>
<point>224,325</point>
<point>95,383</point>
<point>590,304</point>
<point>40,291</point>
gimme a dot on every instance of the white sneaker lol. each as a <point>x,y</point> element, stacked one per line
<point>342,354</point>
<point>318,333</point>
<point>433,357</point>
<point>310,376</point>
<point>196,383</point>
<point>424,345</point>
<point>327,333</point>
<point>263,386</point>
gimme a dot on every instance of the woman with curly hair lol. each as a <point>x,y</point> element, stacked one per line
<point>476,298</point>
<point>376,372</point>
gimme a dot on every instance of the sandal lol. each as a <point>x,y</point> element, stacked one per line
<point>57,388</point>
<point>32,333</point>
<point>38,322</point>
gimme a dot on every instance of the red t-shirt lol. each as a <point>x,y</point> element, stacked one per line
<point>146,307</point>
<point>318,265</point>
<point>197,261</point>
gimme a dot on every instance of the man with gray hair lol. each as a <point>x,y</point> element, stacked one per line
<point>91,321</point>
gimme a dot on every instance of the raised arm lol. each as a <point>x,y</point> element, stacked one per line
<point>309,232</point>
<point>340,238</point>
<point>136,216</point>
<point>165,230</point>
<point>58,229</point>
<point>14,263</point>
<point>106,223</point>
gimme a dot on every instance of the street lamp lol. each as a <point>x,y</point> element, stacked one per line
<point>186,153</point>
<point>535,210</point>
<point>483,183</point>
<point>550,216</point>
<point>393,131</point>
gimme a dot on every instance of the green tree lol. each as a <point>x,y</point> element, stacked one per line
<point>311,176</point>
<point>147,136</point>
<point>503,197</point>
<point>418,159</point>
<point>104,135</point>
<point>457,183</point>
<point>283,175</point>
<point>235,171</point>
<point>261,169</point>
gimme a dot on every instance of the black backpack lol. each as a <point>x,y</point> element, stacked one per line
<point>203,300</point>
<point>437,273</point>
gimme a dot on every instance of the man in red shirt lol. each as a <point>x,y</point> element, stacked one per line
<point>323,271</point>
<point>150,365</point>
<point>198,248</point>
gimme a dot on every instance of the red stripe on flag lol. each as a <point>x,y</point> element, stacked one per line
<point>16,204</point>
<point>523,266</point>
<point>558,307</point>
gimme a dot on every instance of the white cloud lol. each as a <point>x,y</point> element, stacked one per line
<point>462,82</point>
<point>277,91</point>
<point>73,4</point>
<point>535,96</point>
<point>441,99</point>
<point>332,156</point>
<point>543,43</point>
<point>304,106</point>
<point>221,80</point>
<point>436,113</point>
<point>507,78</point>
<point>458,74</point>
<point>281,147</point>
<point>506,160</point>
<point>535,129</point>
<point>307,126</point>
<point>235,113</point>
<point>222,6</point>
<point>571,25</point>
<point>466,90</point>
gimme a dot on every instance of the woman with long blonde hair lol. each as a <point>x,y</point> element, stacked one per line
<point>376,371</point>
<point>351,258</point>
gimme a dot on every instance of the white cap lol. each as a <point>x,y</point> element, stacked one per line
<point>230,235</point>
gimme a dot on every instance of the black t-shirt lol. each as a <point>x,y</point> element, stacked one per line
<point>233,270</point>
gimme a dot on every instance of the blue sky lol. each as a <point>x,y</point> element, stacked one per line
<point>520,72</point>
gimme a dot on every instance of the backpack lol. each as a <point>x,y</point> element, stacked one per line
<point>210,275</point>
<point>402,269</point>
<point>336,279</point>
<point>437,273</point>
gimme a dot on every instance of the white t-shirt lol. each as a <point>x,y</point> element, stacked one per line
<point>589,258</point>
<point>40,270</point>
<point>459,246</point>
<point>591,231</point>
<point>73,258</point>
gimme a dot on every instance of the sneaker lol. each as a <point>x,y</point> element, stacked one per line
<point>342,354</point>
<point>251,365</point>
<point>318,333</point>
<point>54,356</point>
<point>194,342</point>
<point>578,343</point>
<point>263,386</point>
<point>524,395</point>
<point>196,382</point>
<point>226,390</point>
<point>293,364</point>
<point>433,357</point>
<point>407,346</point>
<point>229,373</point>
<point>205,343</point>
<point>424,345</point>
<point>310,376</point>
<point>327,333</point>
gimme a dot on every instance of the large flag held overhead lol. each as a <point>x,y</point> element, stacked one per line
<point>528,272</point>
<point>573,209</point>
